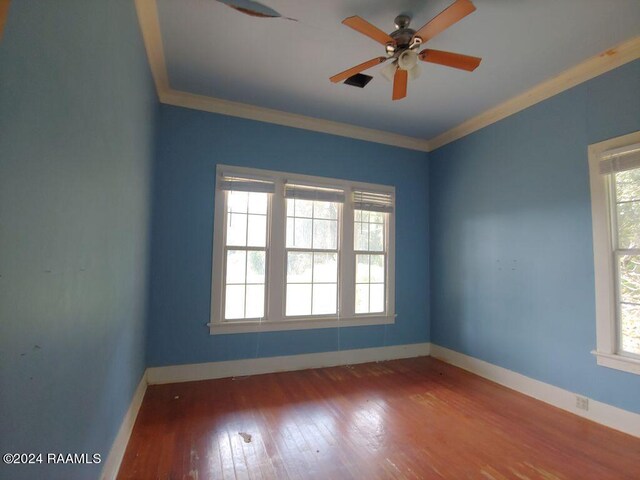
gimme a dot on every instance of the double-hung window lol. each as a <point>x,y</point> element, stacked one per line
<point>296,252</point>
<point>370,244</point>
<point>312,252</point>
<point>245,246</point>
<point>614,167</point>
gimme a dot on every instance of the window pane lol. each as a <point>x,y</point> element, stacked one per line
<point>328,210</point>
<point>234,302</point>
<point>369,231</point>
<point>361,235</point>
<point>255,301</point>
<point>246,226</point>
<point>629,273</point>
<point>325,234</point>
<point>299,299</point>
<point>628,185</point>
<point>298,233</point>
<point>299,208</point>
<point>236,266</point>
<point>255,267</point>
<point>325,267</point>
<point>362,298</point>
<point>258,203</point>
<point>630,328</point>
<point>376,272</point>
<point>237,202</point>
<point>299,267</point>
<point>303,233</point>
<point>376,217</point>
<point>311,276</point>
<point>257,231</point>
<point>237,229</point>
<point>324,299</point>
<point>362,268</point>
<point>376,297</point>
<point>376,237</point>
<point>628,225</point>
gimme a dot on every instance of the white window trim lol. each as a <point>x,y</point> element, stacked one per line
<point>606,352</point>
<point>275,319</point>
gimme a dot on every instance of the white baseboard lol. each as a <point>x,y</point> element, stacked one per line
<point>598,412</point>
<point>113,461</point>
<point>256,366</point>
<point>233,368</point>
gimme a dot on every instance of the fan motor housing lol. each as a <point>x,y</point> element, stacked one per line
<point>403,34</point>
<point>403,37</point>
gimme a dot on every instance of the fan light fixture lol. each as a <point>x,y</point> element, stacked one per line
<point>402,45</point>
<point>408,61</point>
<point>388,71</point>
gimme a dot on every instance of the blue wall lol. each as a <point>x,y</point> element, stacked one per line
<point>190,144</point>
<point>77,109</point>
<point>510,252</point>
<point>511,242</point>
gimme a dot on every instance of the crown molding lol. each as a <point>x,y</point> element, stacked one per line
<point>590,68</point>
<point>278,117</point>
<point>150,26</point>
<point>152,37</point>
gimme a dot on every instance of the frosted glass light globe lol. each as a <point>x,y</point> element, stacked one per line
<point>408,60</point>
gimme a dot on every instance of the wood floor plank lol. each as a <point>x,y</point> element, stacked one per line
<point>403,419</point>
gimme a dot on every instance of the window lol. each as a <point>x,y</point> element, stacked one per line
<point>295,252</point>
<point>370,218</point>
<point>245,250</point>
<point>614,167</point>
<point>312,250</point>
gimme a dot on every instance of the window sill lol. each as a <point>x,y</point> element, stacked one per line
<point>297,324</point>
<point>618,362</point>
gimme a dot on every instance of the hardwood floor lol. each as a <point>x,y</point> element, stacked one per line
<point>402,419</point>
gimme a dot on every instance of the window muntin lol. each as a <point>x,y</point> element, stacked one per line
<point>326,263</point>
<point>368,231</point>
<point>369,239</point>
<point>614,167</point>
<point>312,257</point>
<point>625,219</point>
<point>245,254</point>
<point>312,224</point>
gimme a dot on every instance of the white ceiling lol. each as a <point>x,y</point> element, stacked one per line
<point>213,50</point>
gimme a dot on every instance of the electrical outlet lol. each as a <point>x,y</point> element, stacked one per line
<point>582,402</point>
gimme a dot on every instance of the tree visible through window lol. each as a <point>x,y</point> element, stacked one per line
<point>312,257</point>
<point>370,261</point>
<point>614,176</point>
<point>626,192</point>
<point>246,244</point>
<point>295,252</point>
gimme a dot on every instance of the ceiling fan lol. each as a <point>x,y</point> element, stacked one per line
<point>402,47</point>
